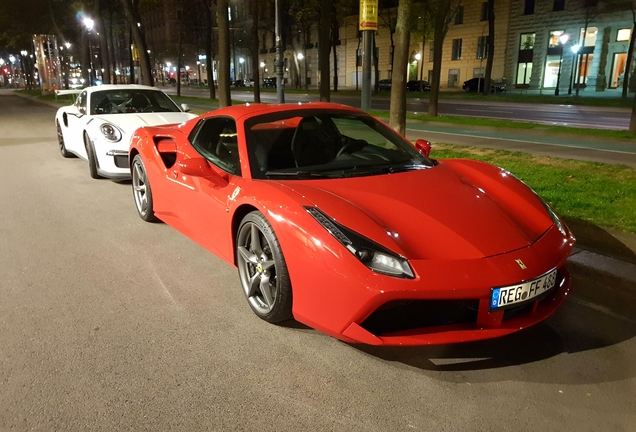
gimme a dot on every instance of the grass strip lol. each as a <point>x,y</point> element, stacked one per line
<point>509,124</point>
<point>602,194</point>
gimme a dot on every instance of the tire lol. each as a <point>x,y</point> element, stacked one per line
<point>92,160</point>
<point>262,269</point>
<point>60,140</point>
<point>141,190</point>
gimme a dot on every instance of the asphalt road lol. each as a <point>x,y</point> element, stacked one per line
<point>551,114</point>
<point>110,323</point>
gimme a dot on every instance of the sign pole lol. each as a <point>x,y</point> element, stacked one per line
<point>368,25</point>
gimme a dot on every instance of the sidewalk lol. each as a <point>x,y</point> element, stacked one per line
<point>599,250</point>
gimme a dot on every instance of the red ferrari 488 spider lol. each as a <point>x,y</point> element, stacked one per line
<point>334,219</point>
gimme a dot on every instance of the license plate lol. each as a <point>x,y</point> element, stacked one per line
<point>502,297</point>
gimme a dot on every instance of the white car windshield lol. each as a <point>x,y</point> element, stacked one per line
<point>130,101</point>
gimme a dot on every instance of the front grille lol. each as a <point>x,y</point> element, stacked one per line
<point>121,161</point>
<point>400,315</point>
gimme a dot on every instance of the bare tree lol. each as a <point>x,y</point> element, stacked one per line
<point>256,79</point>
<point>208,10</point>
<point>630,51</point>
<point>305,14</point>
<point>397,108</point>
<point>132,11</point>
<point>324,48</point>
<point>442,12</point>
<point>491,46</point>
<point>224,53</point>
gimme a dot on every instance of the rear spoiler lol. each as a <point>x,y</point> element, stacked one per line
<point>68,92</point>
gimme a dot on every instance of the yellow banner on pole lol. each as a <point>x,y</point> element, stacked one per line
<point>368,14</point>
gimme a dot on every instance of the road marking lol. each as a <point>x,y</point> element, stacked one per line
<point>481,110</point>
<point>521,141</point>
<point>601,309</point>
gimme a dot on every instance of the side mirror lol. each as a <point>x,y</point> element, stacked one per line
<point>199,167</point>
<point>423,147</point>
<point>185,108</point>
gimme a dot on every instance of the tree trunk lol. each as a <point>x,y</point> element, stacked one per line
<point>86,57</point>
<point>224,53</point>
<point>256,77</point>
<point>632,121</point>
<point>130,58</point>
<point>491,46</point>
<point>140,41</point>
<point>103,45</point>
<point>324,48</point>
<point>334,45</point>
<point>628,62</point>
<point>208,48</point>
<point>179,57</point>
<point>438,45</point>
<point>578,72</point>
<point>397,115</point>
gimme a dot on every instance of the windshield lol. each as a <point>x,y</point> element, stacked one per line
<point>326,144</point>
<point>131,101</point>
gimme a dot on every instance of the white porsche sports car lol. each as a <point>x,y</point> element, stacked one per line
<point>98,126</point>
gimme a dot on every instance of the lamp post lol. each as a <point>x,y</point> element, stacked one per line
<point>89,24</point>
<point>12,60</point>
<point>241,70</point>
<point>1,63</point>
<point>300,58</point>
<point>575,51</point>
<point>562,39</point>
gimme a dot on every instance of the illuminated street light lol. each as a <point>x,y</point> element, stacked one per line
<point>12,60</point>
<point>67,45</point>
<point>300,56</point>
<point>418,56</point>
<point>562,40</point>
<point>89,24</point>
<point>575,51</point>
<point>262,64</point>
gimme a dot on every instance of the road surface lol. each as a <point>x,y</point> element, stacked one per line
<point>109,323</point>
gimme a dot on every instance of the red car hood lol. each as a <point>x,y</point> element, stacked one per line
<point>452,211</point>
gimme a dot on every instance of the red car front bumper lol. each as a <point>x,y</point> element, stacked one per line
<point>346,301</point>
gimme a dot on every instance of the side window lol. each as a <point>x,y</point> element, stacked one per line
<point>81,102</point>
<point>216,140</point>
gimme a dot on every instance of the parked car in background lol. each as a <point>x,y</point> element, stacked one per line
<point>417,85</point>
<point>384,84</point>
<point>269,82</point>
<point>472,86</point>
<point>242,83</point>
<point>98,126</point>
<point>336,220</point>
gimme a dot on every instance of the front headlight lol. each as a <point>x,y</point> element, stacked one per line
<point>375,256</point>
<point>110,132</point>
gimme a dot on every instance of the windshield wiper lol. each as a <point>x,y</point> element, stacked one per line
<point>298,173</point>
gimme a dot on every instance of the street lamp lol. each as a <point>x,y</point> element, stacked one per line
<point>12,60</point>
<point>575,52</point>
<point>241,70</point>
<point>562,39</point>
<point>89,24</point>
<point>2,62</point>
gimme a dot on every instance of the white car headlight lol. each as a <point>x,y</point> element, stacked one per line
<point>110,132</point>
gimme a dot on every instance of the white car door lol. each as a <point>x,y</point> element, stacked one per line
<point>77,118</point>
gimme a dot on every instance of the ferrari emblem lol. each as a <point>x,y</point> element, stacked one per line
<point>521,264</point>
<point>259,268</point>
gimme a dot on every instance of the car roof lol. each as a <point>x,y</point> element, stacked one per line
<point>252,109</point>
